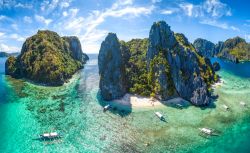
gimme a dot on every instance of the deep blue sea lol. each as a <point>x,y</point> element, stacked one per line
<point>75,111</point>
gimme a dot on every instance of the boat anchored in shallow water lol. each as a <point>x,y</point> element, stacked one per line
<point>160,116</point>
<point>225,107</point>
<point>50,136</point>
<point>243,104</point>
<point>206,132</point>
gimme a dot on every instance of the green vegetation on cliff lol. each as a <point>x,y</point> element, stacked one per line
<point>205,66</point>
<point>158,68</point>
<point>45,58</point>
<point>237,47</point>
<point>136,65</point>
<point>140,79</point>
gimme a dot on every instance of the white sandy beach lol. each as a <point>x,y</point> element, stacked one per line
<point>218,84</point>
<point>136,101</point>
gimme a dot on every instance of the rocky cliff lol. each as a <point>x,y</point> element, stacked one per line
<point>47,58</point>
<point>204,47</point>
<point>188,73</point>
<point>164,66</point>
<point>111,68</point>
<point>234,49</point>
<point>76,49</point>
<point>3,54</point>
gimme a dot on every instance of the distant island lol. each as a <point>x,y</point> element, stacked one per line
<point>4,54</point>
<point>234,49</point>
<point>163,66</point>
<point>46,58</point>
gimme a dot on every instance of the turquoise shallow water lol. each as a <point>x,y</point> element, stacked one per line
<point>75,110</point>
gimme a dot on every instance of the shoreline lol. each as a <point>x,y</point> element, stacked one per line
<point>218,84</point>
<point>137,101</point>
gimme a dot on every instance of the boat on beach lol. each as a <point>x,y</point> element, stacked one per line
<point>105,108</point>
<point>160,116</point>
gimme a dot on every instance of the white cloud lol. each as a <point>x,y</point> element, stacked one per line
<point>87,28</point>
<point>212,9</point>
<point>156,1</point>
<point>65,13</point>
<point>168,11</point>
<point>27,19</point>
<point>25,6</point>
<point>2,34</point>
<point>7,48</point>
<point>97,17</point>
<point>2,17</point>
<point>64,5</point>
<point>215,23</point>
<point>247,36</point>
<point>49,6</point>
<point>43,20</point>
<point>187,8</point>
<point>16,37</point>
<point>217,8</point>
<point>14,26</point>
<point>208,12</point>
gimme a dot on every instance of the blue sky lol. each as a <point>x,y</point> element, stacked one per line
<point>91,20</point>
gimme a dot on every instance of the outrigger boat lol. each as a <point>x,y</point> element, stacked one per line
<point>107,107</point>
<point>50,136</point>
<point>180,106</point>
<point>160,116</point>
<point>206,132</point>
<point>243,104</point>
<point>226,107</point>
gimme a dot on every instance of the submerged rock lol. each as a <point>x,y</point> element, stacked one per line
<point>111,69</point>
<point>47,58</point>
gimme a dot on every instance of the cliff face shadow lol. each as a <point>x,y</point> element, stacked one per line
<point>177,103</point>
<point>180,103</point>
<point>212,104</point>
<point>117,108</point>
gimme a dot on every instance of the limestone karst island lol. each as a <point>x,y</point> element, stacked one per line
<point>124,76</point>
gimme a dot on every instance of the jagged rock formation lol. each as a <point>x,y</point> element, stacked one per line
<point>234,49</point>
<point>164,66</point>
<point>204,47</point>
<point>111,69</point>
<point>76,49</point>
<point>187,70</point>
<point>47,58</point>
